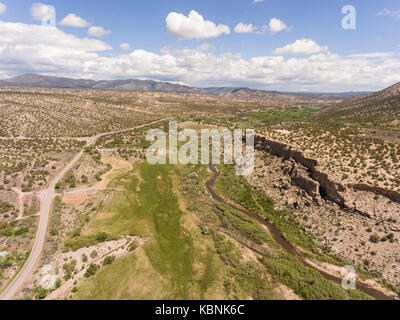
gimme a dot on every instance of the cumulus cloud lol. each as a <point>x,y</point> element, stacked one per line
<point>275,26</point>
<point>245,28</point>
<point>302,46</point>
<point>34,48</point>
<point>3,8</point>
<point>40,11</point>
<point>98,32</point>
<point>125,46</point>
<point>193,26</point>
<point>72,20</point>
<point>249,28</point>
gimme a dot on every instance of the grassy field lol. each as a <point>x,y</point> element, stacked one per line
<point>147,207</point>
<point>185,255</point>
<point>274,116</point>
<point>196,248</point>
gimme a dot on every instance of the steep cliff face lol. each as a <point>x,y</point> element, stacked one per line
<point>300,177</point>
<point>329,187</point>
<point>314,180</point>
<point>303,181</point>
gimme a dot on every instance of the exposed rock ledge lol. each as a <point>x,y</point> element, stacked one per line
<point>312,179</point>
<point>392,195</point>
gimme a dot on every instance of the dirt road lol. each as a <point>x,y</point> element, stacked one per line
<point>46,200</point>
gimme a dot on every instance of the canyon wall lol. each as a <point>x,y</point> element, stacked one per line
<point>315,180</point>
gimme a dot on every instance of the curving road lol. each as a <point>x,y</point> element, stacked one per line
<point>46,200</point>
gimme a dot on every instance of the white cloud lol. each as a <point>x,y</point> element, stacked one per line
<point>125,46</point>
<point>205,47</point>
<point>245,28</point>
<point>98,31</point>
<point>302,46</point>
<point>249,28</point>
<point>257,1</point>
<point>372,55</point>
<point>36,48</point>
<point>391,13</point>
<point>51,51</point>
<point>183,51</point>
<point>72,20</point>
<point>276,26</point>
<point>193,26</point>
<point>3,8</point>
<point>40,11</point>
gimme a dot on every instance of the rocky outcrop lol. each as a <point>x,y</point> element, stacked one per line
<point>392,195</point>
<point>313,180</point>
<point>300,177</point>
<point>303,181</point>
<point>329,188</point>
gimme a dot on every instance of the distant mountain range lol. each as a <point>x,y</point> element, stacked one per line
<point>35,80</point>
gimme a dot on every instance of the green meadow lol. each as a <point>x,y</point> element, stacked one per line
<point>196,248</point>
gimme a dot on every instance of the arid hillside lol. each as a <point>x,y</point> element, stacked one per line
<point>380,108</point>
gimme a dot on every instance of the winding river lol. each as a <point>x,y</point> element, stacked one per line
<point>278,237</point>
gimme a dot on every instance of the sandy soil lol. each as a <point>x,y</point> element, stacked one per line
<point>118,166</point>
<point>115,248</point>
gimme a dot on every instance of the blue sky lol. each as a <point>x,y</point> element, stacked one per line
<point>325,57</point>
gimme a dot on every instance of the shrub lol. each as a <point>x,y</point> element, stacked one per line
<point>133,246</point>
<point>42,293</point>
<point>21,231</point>
<point>374,238</point>
<point>76,232</point>
<point>108,260</point>
<point>93,254</point>
<point>91,271</point>
<point>102,236</point>
<point>84,258</point>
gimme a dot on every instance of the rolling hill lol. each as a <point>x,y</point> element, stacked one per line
<point>382,107</point>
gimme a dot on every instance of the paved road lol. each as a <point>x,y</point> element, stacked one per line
<point>46,200</point>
